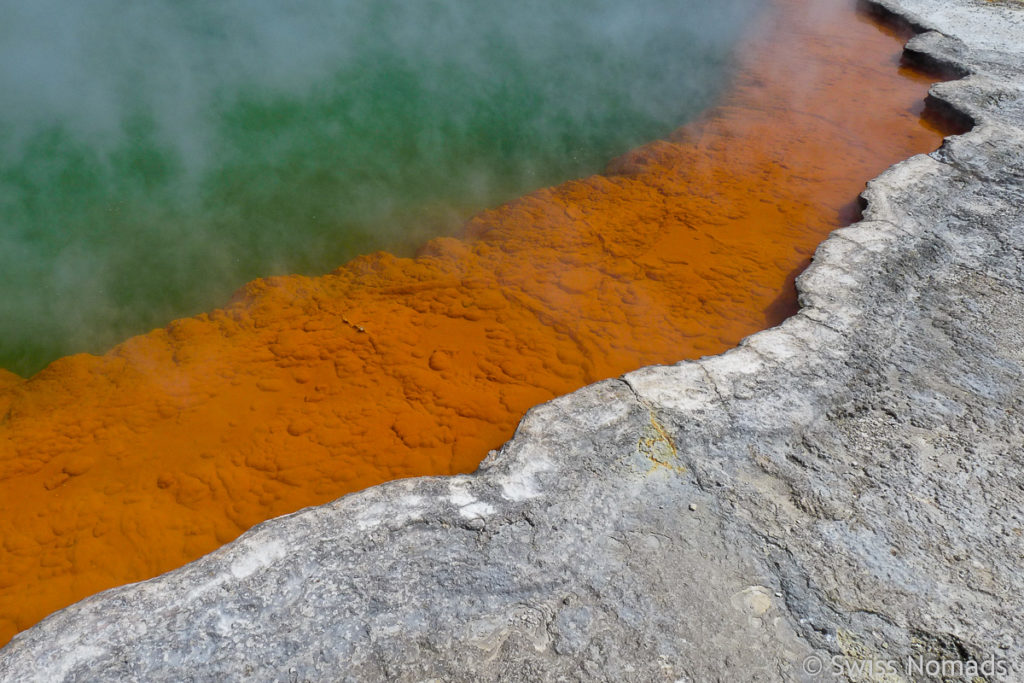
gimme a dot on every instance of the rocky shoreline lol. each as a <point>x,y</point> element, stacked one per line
<point>840,495</point>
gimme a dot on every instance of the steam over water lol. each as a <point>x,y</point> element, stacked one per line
<point>157,154</point>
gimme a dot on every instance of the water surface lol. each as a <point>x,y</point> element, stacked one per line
<point>156,155</point>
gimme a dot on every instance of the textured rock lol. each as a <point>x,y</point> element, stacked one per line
<point>848,484</point>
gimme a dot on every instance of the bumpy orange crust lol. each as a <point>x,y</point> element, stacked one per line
<point>117,468</point>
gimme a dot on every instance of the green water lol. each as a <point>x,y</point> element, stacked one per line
<point>156,156</point>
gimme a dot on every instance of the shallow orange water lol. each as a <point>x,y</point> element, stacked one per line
<point>117,468</point>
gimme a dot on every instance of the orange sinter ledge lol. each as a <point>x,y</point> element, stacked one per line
<point>116,468</point>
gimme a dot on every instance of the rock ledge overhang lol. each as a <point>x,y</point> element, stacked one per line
<point>847,487</point>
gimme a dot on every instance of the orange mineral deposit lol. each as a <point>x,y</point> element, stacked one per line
<point>119,467</point>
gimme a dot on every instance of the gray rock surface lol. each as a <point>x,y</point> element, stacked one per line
<point>848,486</point>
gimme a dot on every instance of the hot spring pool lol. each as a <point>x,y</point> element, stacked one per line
<point>155,156</point>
